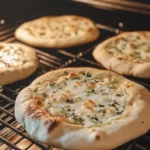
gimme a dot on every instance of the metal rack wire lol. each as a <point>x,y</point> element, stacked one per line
<point>12,134</point>
<point>132,6</point>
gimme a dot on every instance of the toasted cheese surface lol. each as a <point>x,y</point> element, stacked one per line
<point>132,47</point>
<point>82,98</point>
<point>59,27</point>
<point>11,56</point>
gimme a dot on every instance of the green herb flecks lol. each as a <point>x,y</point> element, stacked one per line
<point>77,119</point>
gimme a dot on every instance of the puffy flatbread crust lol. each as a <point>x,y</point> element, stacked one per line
<point>14,67</point>
<point>129,65</point>
<point>57,31</point>
<point>56,131</point>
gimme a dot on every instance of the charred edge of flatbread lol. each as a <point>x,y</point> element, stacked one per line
<point>36,110</point>
<point>51,124</point>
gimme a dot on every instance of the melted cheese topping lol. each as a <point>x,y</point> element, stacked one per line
<point>60,27</point>
<point>132,48</point>
<point>11,56</point>
<point>83,99</point>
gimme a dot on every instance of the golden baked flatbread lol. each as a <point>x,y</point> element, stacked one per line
<point>127,54</point>
<point>83,108</point>
<point>17,62</point>
<point>57,31</point>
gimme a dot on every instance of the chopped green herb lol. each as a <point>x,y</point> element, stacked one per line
<point>119,112</point>
<point>49,103</point>
<point>35,90</point>
<point>65,72</point>
<point>102,111</point>
<point>88,74</point>
<point>115,102</point>
<point>76,118</point>
<point>94,119</point>
<point>91,91</point>
<point>100,105</point>
<point>110,52</point>
<point>119,94</point>
<point>44,95</point>
<point>69,101</point>
<point>68,109</point>
<point>78,99</point>
<point>113,105</point>
<point>51,84</point>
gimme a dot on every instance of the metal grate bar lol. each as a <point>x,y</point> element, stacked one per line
<point>110,6</point>
<point>8,143</point>
<point>8,133</point>
<point>48,55</point>
<point>4,110</point>
<point>49,60</point>
<point>7,98</point>
<point>104,27</point>
<point>8,89</point>
<point>3,37</point>
<point>8,30</point>
<point>22,134</point>
<point>128,4</point>
<point>47,64</point>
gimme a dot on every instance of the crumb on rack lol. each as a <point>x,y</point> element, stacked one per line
<point>2,21</point>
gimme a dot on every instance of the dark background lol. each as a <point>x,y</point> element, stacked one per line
<point>14,10</point>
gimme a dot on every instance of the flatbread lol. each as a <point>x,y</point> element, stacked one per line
<point>17,62</point>
<point>57,31</point>
<point>127,54</point>
<point>83,108</point>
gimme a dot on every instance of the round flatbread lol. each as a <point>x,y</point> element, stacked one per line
<point>17,62</point>
<point>127,54</point>
<point>83,108</point>
<point>58,31</point>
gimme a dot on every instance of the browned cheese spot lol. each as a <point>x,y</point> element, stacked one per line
<point>53,37</point>
<point>27,29</point>
<point>93,130</point>
<point>37,102</point>
<point>42,33</point>
<point>97,138</point>
<point>120,58</point>
<point>75,18</point>
<point>1,46</point>
<point>90,29</point>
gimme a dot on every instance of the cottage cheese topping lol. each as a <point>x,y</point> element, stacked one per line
<point>132,48</point>
<point>11,56</point>
<point>83,99</point>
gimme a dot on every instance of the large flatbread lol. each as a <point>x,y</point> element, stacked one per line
<point>57,31</point>
<point>127,54</point>
<point>17,62</point>
<point>83,108</point>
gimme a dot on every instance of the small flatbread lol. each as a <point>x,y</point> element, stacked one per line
<point>83,108</point>
<point>58,31</point>
<point>127,54</point>
<point>17,62</point>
